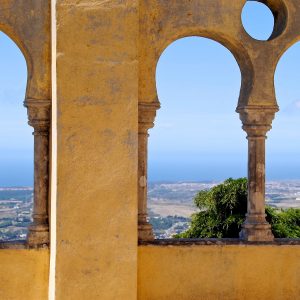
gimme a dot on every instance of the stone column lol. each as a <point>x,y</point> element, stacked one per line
<point>256,122</point>
<point>147,113</point>
<point>39,118</point>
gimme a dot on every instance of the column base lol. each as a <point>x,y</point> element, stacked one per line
<point>145,232</point>
<point>38,235</point>
<point>259,232</point>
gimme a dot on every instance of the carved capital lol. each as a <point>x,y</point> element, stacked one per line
<point>147,114</point>
<point>257,120</point>
<point>39,114</point>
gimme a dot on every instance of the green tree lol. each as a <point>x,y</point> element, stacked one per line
<point>222,213</point>
<point>285,222</point>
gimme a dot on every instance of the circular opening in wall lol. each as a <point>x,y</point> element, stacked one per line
<point>258,20</point>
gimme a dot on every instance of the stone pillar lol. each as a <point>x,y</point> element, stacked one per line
<point>256,122</point>
<point>147,113</point>
<point>39,118</point>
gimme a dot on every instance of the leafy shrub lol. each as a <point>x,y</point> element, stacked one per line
<point>223,209</point>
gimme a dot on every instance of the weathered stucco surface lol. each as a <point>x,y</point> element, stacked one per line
<point>97,149</point>
<point>24,274</point>
<point>218,272</point>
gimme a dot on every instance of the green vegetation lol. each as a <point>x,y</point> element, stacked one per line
<point>223,209</point>
<point>285,223</point>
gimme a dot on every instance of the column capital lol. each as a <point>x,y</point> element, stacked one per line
<point>38,111</point>
<point>147,114</point>
<point>257,120</point>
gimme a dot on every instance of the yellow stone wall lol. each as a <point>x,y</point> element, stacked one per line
<point>172,272</point>
<point>231,272</point>
<point>97,88</point>
<point>24,274</point>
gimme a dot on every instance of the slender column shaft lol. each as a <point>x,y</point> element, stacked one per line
<point>39,119</point>
<point>256,175</point>
<point>142,173</point>
<point>255,227</point>
<point>144,227</point>
<point>40,208</point>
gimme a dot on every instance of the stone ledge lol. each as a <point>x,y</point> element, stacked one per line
<point>218,242</point>
<point>13,245</point>
<point>19,245</point>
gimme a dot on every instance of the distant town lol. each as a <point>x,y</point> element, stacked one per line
<point>170,205</point>
<point>15,212</point>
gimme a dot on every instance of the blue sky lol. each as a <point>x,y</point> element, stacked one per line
<point>197,134</point>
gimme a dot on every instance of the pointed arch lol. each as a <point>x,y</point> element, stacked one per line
<point>195,146</point>
<point>38,106</point>
<point>233,46</point>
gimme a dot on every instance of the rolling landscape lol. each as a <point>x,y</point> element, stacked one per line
<point>170,205</point>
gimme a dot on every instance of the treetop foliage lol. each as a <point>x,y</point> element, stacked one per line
<point>223,209</point>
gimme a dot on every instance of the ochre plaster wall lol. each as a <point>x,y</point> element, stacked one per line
<point>218,272</point>
<point>24,274</point>
<point>97,90</point>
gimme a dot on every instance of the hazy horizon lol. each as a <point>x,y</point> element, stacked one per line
<point>172,181</point>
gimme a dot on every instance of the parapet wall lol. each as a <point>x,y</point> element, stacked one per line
<point>233,272</point>
<point>24,274</point>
